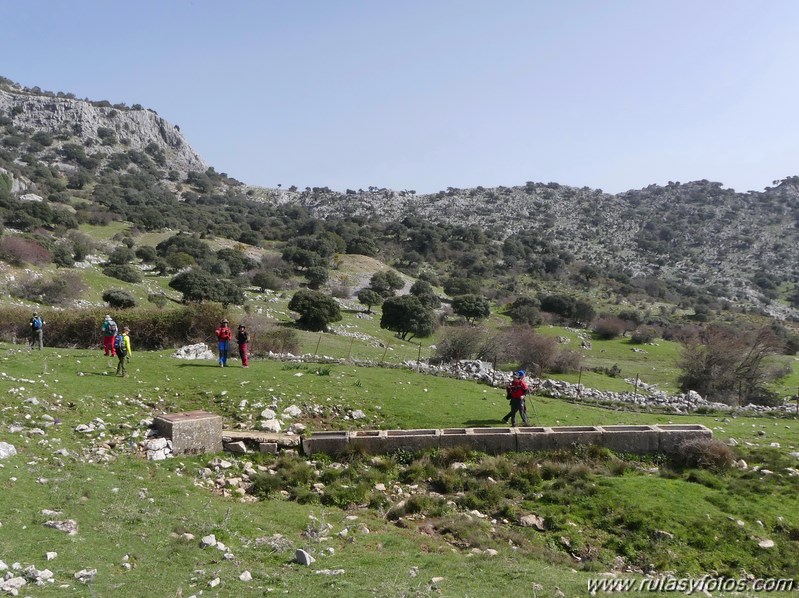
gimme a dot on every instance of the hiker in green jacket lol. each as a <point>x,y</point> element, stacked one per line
<point>122,349</point>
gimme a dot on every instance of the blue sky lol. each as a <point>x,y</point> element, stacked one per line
<point>430,94</point>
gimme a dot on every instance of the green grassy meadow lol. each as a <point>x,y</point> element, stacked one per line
<point>132,514</point>
<point>397,525</point>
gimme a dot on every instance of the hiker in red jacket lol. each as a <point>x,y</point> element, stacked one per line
<point>223,336</point>
<point>516,391</point>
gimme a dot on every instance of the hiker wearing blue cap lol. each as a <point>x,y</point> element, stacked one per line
<point>515,392</point>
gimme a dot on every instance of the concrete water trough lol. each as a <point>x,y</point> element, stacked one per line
<point>330,443</point>
<point>452,437</point>
<point>197,432</point>
<point>532,439</point>
<point>410,440</point>
<point>493,440</point>
<point>563,437</point>
<point>369,441</point>
<point>671,436</point>
<point>640,440</point>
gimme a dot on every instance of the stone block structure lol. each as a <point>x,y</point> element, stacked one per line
<point>191,432</point>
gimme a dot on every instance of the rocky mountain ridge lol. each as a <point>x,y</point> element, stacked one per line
<point>743,245</point>
<point>99,126</point>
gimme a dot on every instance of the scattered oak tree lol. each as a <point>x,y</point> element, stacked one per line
<point>198,286</point>
<point>316,309</point>
<point>471,307</point>
<point>525,310</point>
<point>369,297</point>
<point>423,290</point>
<point>386,282</point>
<point>407,317</point>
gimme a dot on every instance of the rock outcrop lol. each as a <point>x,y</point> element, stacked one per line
<point>102,129</point>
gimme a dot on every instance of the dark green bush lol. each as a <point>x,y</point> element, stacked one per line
<point>608,327</point>
<point>707,453</point>
<point>643,335</point>
<point>158,299</point>
<point>119,299</point>
<point>432,506</point>
<point>346,495</point>
<point>124,272</point>
<point>60,289</point>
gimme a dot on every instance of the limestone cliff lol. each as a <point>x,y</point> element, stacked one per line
<point>101,129</point>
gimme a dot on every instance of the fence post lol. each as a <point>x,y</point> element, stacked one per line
<point>383,359</point>
<point>316,352</point>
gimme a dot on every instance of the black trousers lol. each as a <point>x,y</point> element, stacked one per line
<point>516,406</point>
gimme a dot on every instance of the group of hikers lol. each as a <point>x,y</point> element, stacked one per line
<point>115,344</point>
<point>118,345</point>
<point>224,335</point>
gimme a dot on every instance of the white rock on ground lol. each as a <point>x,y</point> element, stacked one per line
<point>7,450</point>
<point>86,575</point>
<point>303,558</point>
<point>271,425</point>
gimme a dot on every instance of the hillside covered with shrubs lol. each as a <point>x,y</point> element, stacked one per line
<point>681,262</point>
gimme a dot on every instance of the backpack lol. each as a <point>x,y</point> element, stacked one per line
<point>36,323</point>
<point>119,344</point>
<point>112,328</point>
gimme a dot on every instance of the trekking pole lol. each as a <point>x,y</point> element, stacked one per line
<point>535,413</point>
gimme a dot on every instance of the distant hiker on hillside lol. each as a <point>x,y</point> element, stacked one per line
<point>37,333</point>
<point>515,393</point>
<point>122,350</point>
<point>243,339</point>
<point>109,330</point>
<point>223,336</point>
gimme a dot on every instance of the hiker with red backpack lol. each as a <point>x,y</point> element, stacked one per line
<point>515,393</point>
<point>109,330</point>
